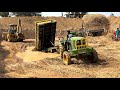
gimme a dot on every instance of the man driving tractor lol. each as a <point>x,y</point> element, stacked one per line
<point>68,39</point>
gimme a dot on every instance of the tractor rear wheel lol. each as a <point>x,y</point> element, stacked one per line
<point>66,58</point>
<point>93,57</point>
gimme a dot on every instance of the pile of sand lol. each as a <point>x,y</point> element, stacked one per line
<point>91,22</point>
<point>29,22</point>
<point>95,21</point>
<point>30,55</point>
<point>114,23</point>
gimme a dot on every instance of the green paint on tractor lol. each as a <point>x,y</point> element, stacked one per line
<point>76,45</point>
<point>75,52</point>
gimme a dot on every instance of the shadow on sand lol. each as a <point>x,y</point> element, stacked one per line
<point>3,54</point>
<point>82,59</point>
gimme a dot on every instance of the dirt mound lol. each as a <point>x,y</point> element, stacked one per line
<point>29,22</point>
<point>30,55</point>
<point>95,21</point>
<point>114,23</point>
<point>39,65</point>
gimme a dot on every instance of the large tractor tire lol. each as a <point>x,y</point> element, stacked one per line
<point>66,58</point>
<point>93,57</point>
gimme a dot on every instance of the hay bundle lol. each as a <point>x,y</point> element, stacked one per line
<point>95,21</point>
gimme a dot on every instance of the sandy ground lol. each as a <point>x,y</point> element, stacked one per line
<point>22,62</point>
<point>17,60</point>
<point>30,55</point>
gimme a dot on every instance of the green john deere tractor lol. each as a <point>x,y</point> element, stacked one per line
<point>76,45</point>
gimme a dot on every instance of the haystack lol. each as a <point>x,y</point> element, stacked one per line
<point>95,21</point>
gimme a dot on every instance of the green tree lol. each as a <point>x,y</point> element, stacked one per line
<point>4,14</point>
<point>27,13</point>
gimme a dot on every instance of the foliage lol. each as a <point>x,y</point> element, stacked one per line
<point>27,13</point>
<point>4,14</point>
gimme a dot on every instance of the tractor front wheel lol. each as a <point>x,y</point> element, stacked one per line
<point>66,58</point>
